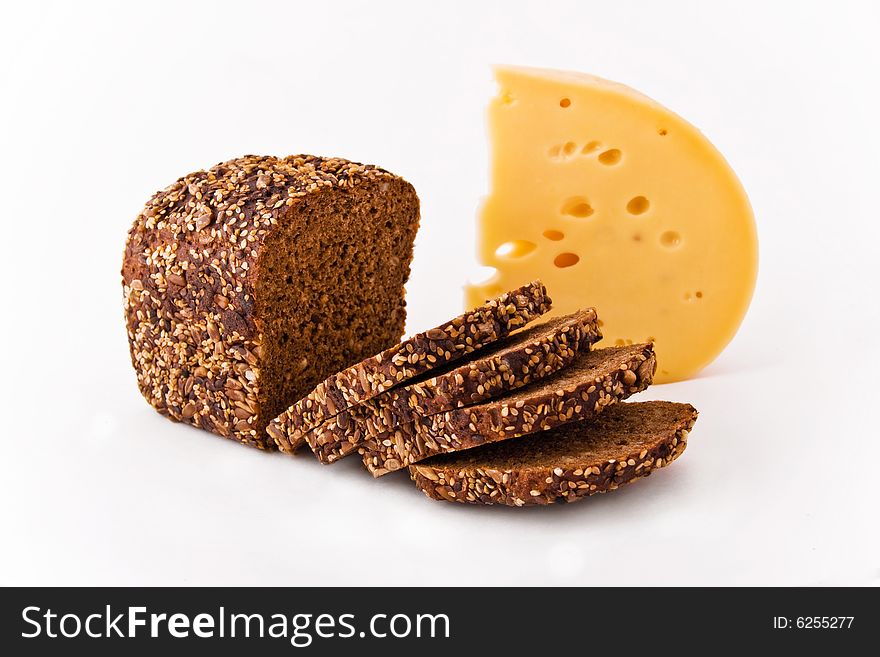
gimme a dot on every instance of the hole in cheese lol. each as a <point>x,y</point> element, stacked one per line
<point>638,205</point>
<point>553,151</point>
<point>577,206</point>
<point>565,102</point>
<point>492,291</point>
<point>554,235</point>
<point>515,249</point>
<point>591,147</point>
<point>699,295</point>
<point>610,157</point>
<point>485,286</point>
<point>662,132</point>
<point>569,148</point>
<point>670,239</point>
<point>566,260</point>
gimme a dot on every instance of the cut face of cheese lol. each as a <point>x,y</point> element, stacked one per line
<point>615,202</point>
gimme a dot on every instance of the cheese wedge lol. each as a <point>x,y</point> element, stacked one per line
<point>615,202</point>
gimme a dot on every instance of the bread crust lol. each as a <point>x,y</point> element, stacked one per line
<point>630,370</point>
<point>566,482</point>
<point>421,353</point>
<point>191,262</point>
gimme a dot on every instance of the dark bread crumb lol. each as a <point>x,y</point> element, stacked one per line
<point>525,356</point>
<point>594,381</point>
<point>247,284</point>
<point>626,442</point>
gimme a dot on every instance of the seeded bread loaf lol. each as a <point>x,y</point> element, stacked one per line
<point>581,391</point>
<point>626,442</point>
<point>529,354</point>
<point>421,353</point>
<point>247,284</point>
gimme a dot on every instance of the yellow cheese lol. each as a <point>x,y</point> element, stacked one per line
<point>616,202</point>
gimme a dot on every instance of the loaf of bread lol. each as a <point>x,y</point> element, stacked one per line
<point>594,381</point>
<point>249,283</point>
<point>626,442</point>
<point>264,301</point>
<point>396,365</point>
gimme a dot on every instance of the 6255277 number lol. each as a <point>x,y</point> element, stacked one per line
<point>814,622</point>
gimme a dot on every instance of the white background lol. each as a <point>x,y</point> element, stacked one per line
<point>102,104</point>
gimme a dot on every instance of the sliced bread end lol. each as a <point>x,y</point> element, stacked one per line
<point>626,442</point>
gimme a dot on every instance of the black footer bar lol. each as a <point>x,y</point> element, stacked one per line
<point>428,621</point>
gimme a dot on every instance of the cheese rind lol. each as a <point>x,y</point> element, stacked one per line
<point>618,203</point>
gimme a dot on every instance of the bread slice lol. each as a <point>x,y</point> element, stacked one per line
<point>529,354</point>
<point>423,352</point>
<point>625,443</point>
<point>247,284</point>
<point>581,391</point>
